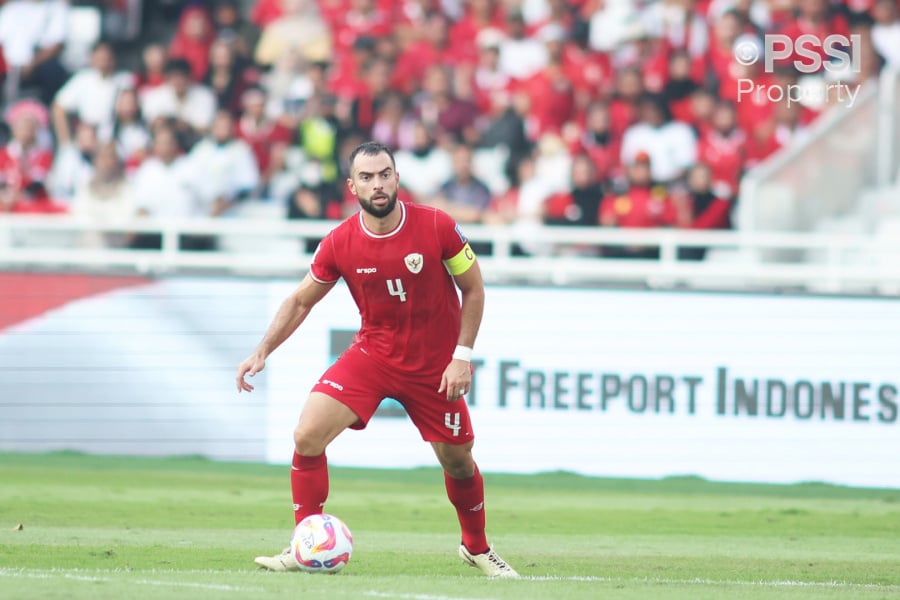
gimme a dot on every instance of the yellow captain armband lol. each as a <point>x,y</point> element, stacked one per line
<point>462,262</point>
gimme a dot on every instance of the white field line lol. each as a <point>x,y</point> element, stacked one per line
<point>103,575</point>
<point>373,594</point>
<point>83,576</point>
<point>706,581</point>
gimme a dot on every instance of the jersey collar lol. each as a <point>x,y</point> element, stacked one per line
<point>390,233</point>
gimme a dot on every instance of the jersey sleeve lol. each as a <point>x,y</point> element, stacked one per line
<point>324,267</point>
<point>455,250</point>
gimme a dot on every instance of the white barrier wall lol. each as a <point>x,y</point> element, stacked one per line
<point>601,382</point>
<point>646,384</point>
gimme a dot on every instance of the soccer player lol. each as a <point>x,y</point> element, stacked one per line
<point>402,263</point>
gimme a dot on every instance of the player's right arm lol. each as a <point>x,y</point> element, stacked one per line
<point>290,315</point>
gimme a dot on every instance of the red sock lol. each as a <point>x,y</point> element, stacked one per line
<point>309,485</point>
<point>467,495</point>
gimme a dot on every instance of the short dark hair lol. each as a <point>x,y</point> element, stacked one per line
<point>177,65</point>
<point>371,149</point>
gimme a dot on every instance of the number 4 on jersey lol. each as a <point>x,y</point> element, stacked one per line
<point>395,288</point>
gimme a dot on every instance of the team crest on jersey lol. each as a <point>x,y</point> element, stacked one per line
<point>414,262</point>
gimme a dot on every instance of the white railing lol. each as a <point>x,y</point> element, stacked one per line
<point>830,263</point>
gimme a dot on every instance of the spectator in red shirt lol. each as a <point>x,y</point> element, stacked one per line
<point>721,147</point>
<point>34,199</point>
<point>24,163</point>
<point>259,132</point>
<point>597,142</point>
<point>152,72</point>
<point>489,79</point>
<point>701,207</point>
<point>641,205</point>
<point>590,72</point>
<point>348,79</point>
<point>192,40</point>
<point>647,53</point>
<point>748,89</point>
<point>623,107</point>
<point>725,31</point>
<point>433,48</point>
<point>551,91</point>
<point>818,18</point>
<point>479,15</point>
<point>703,102</point>
<point>363,19</point>
<point>761,143</point>
<point>410,17</point>
<point>265,11</point>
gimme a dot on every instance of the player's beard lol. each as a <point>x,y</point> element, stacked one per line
<point>379,212</point>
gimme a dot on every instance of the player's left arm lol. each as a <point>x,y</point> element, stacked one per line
<point>471,285</point>
<point>457,377</point>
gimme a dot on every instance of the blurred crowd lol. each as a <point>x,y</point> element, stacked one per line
<point>608,113</point>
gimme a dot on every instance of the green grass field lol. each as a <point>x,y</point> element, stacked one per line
<point>96,527</point>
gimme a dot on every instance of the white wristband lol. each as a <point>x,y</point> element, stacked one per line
<point>463,353</point>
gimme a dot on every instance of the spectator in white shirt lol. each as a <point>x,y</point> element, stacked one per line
<point>73,164</point>
<point>224,167</point>
<point>90,95</point>
<point>107,199</point>
<point>425,166</point>
<point>190,104</point>
<point>521,56</point>
<point>886,32</point>
<point>32,35</point>
<point>610,25</point>
<point>163,184</point>
<point>127,130</point>
<point>671,145</point>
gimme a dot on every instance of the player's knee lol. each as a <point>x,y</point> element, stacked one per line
<point>459,467</point>
<point>306,443</point>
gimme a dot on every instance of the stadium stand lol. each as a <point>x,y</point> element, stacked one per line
<point>550,102</point>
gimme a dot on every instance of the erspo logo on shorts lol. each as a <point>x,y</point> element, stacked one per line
<point>333,384</point>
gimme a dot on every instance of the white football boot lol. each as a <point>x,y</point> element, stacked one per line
<point>280,562</point>
<point>490,563</point>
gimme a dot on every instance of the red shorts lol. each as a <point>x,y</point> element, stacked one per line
<point>359,382</point>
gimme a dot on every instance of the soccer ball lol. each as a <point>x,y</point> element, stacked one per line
<point>321,544</point>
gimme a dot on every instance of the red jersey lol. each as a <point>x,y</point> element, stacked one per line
<point>724,154</point>
<point>406,297</point>
<point>638,207</point>
<point>20,167</point>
